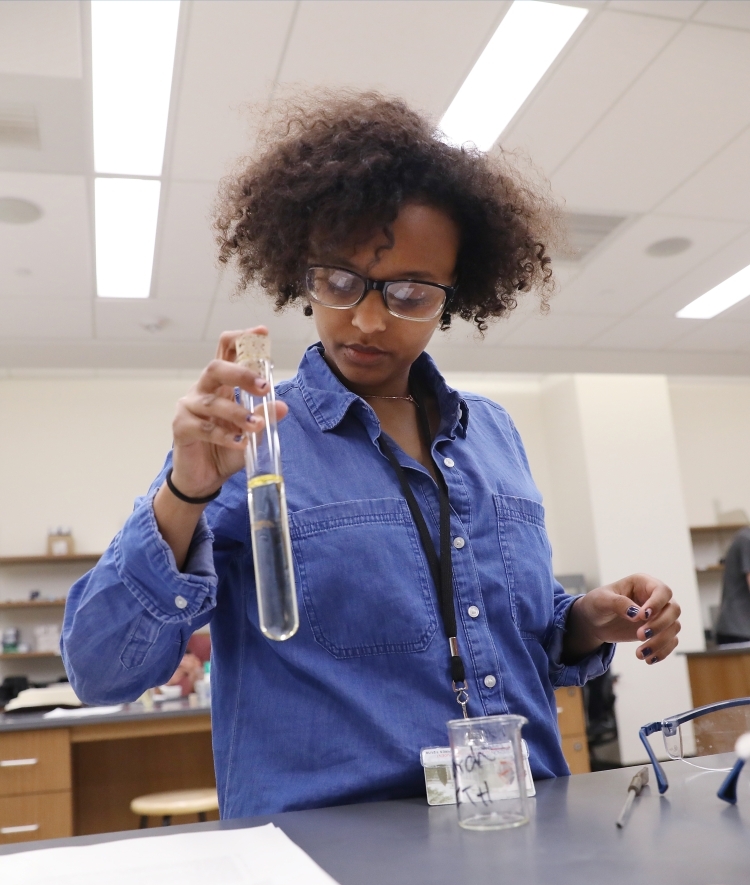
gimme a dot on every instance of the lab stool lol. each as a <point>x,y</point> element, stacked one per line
<point>177,802</point>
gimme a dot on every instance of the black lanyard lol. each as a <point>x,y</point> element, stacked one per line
<point>441,566</point>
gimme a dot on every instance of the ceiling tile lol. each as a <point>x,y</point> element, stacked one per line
<point>150,319</point>
<point>666,125</point>
<point>419,49</point>
<point>44,318</point>
<point>42,38</point>
<point>622,276</point>
<point>720,189</point>
<point>557,330</point>
<point>254,308</point>
<point>465,334</point>
<point>739,313</point>
<point>709,273</point>
<point>729,13</point>
<point>232,54</point>
<point>186,266</point>
<point>634,333</point>
<point>600,65</point>
<point>50,257</point>
<point>715,335</point>
<point>677,9</point>
<point>63,115</point>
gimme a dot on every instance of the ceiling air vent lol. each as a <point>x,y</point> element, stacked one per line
<point>586,231</point>
<point>19,127</point>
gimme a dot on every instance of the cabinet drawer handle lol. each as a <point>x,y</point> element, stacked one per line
<point>26,828</point>
<point>13,763</point>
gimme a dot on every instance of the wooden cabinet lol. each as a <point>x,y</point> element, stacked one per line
<point>35,785</point>
<point>719,675</point>
<point>572,722</point>
<point>35,816</point>
<point>80,779</point>
<point>34,761</point>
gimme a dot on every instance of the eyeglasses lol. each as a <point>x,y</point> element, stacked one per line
<point>704,731</point>
<point>342,289</point>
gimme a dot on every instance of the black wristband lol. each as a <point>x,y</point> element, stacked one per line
<point>178,494</point>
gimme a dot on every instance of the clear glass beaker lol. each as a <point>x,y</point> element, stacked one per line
<point>269,524</point>
<point>488,771</point>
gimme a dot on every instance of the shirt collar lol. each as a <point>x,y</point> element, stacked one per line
<point>329,401</point>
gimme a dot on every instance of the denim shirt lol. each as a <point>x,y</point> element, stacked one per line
<point>339,712</point>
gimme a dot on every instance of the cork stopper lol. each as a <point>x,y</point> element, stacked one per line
<point>252,349</point>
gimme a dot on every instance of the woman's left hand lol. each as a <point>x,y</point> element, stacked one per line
<point>635,609</point>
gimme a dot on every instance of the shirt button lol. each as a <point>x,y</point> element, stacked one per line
<point>449,462</point>
<point>473,611</point>
<point>490,681</point>
<point>458,543</point>
<point>180,602</point>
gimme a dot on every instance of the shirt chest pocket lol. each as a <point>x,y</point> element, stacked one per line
<point>363,577</point>
<point>528,566</point>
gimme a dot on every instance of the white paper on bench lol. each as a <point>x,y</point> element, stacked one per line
<point>82,712</point>
<point>253,856</point>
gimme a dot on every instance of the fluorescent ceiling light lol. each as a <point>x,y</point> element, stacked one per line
<point>720,298</point>
<point>133,46</point>
<point>529,38</point>
<point>125,211</point>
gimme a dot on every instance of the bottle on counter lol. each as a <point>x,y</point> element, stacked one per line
<point>203,686</point>
<point>11,639</point>
<point>60,542</point>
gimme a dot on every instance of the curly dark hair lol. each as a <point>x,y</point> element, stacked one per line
<point>330,164</point>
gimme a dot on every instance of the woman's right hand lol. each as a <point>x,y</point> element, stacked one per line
<point>210,427</point>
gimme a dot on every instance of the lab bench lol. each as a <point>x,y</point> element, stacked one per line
<point>65,777</point>
<point>76,776</point>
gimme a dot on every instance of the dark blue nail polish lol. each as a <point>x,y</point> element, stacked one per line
<point>633,611</point>
<point>648,633</point>
<point>238,438</point>
<point>646,652</point>
<point>251,419</point>
<point>647,613</point>
<point>653,660</point>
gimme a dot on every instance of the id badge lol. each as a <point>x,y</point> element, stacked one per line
<point>438,774</point>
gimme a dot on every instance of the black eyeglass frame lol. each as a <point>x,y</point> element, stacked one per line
<point>669,728</point>
<point>380,286</point>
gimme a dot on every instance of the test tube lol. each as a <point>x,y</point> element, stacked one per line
<point>266,499</point>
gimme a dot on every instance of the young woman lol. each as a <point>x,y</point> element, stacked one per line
<point>382,232</point>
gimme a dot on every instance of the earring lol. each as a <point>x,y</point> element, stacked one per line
<point>307,310</point>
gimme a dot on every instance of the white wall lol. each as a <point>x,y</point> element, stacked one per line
<point>712,428</point>
<point>76,451</point>
<point>575,550</point>
<point>640,524</point>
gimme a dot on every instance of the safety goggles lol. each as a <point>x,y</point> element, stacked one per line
<point>703,732</point>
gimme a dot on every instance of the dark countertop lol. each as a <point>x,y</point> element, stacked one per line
<point>130,713</point>
<point>688,836</point>
<point>743,649</point>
